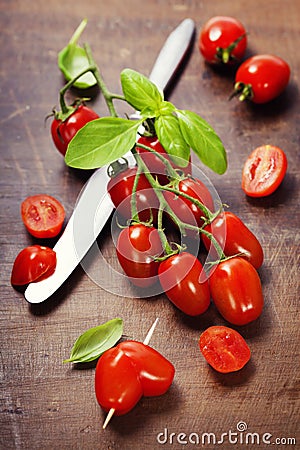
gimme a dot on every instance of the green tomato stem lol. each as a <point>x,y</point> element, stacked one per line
<point>164,206</point>
<point>133,203</point>
<point>170,169</point>
<point>77,33</point>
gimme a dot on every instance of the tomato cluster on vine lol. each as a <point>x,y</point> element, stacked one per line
<point>151,199</point>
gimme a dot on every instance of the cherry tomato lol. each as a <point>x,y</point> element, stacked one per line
<point>120,190</point>
<point>185,210</point>
<point>33,263</point>
<point>223,40</point>
<point>155,371</point>
<point>264,171</point>
<point>127,372</point>
<point>261,78</point>
<point>42,215</point>
<point>184,281</point>
<point>153,162</point>
<point>63,131</point>
<point>137,245</point>
<point>224,349</point>
<point>236,291</point>
<point>234,238</point>
<point>117,382</point>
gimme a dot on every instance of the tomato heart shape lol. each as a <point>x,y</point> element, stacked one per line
<point>127,372</point>
<point>117,383</point>
<point>155,371</point>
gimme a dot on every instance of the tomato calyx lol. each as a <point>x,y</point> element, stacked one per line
<point>243,91</point>
<point>225,55</point>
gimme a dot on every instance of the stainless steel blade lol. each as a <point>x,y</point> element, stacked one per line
<point>94,205</point>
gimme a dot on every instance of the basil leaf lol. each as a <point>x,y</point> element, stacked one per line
<point>139,91</point>
<point>203,140</point>
<point>95,341</point>
<point>72,60</point>
<point>101,142</point>
<point>169,135</point>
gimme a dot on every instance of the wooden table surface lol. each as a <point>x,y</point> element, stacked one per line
<point>46,404</point>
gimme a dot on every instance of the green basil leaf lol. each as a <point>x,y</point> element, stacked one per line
<point>72,60</point>
<point>169,135</point>
<point>101,142</point>
<point>95,341</point>
<point>203,140</point>
<point>166,108</point>
<point>139,91</point>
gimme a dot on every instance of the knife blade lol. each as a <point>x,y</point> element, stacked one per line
<point>93,205</point>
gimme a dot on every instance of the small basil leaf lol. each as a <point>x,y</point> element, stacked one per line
<point>203,140</point>
<point>101,142</point>
<point>170,136</point>
<point>95,341</point>
<point>72,60</point>
<point>166,108</point>
<point>139,91</point>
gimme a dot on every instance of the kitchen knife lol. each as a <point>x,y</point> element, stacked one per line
<point>94,206</point>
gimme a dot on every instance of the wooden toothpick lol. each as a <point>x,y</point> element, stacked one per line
<point>146,342</point>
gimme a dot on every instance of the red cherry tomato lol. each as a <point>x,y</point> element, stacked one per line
<point>120,190</point>
<point>264,171</point>
<point>42,215</point>
<point>137,246</point>
<point>223,40</point>
<point>261,78</point>
<point>234,238</point>
<point>33,263</point>
<point>236,291</point>
<point>224,349</point>
<point>117,382</point>
<point>153,162</point>
<point>185,210</point>
<point>155,371</point>
<point>128,371</point>
<point>63,131</point>
<point>184,281</point>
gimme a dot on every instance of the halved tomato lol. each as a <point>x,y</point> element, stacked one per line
<point>224,348</point>
<point>33,263</point>
<point>43,215</point>
<point>264,171</point>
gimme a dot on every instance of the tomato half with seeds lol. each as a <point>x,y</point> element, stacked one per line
<point>223,40</point>
<point>33,263</point>
<point>264,170</point>
<point>236,291</point>
<point>261,78</point>
<point>42,215</point>
<point>184,281</point>
<point>224,349</point>
<point>234,238</point>
<point>63,131</point>
<point>137,246</point>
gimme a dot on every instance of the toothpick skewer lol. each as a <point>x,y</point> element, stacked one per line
<point>146,342</point>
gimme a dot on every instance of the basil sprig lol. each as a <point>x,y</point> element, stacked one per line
<point>104,140</point>
<point>95,341</point>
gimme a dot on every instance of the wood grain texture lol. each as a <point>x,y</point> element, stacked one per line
<point>45,404</point>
